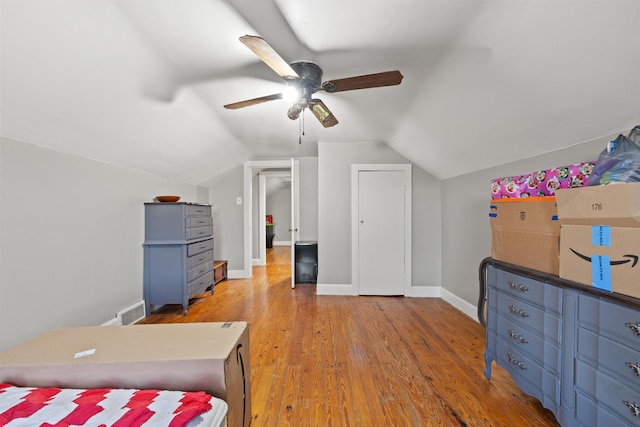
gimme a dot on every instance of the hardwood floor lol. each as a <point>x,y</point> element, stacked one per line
<point>359,361</point>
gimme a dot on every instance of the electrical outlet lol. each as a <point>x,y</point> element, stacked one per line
<point>238,200</point>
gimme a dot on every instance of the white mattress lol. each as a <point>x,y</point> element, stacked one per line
<point>30,406</point>
<point>214,417</point>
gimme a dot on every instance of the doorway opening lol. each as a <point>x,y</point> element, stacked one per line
<point>256,174</point>
<point>275,202</point>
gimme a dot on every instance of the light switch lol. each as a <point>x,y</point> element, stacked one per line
<point>239,200</point>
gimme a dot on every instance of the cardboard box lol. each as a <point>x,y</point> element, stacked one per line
<point>526,232</point>
<point>601,256</point>
<point>616,205</point>
<point>211,357</point>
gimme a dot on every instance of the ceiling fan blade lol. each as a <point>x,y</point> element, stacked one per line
<point>254,101</point>
<point>322,113</point>
<point>387,78</point>
<point>269,56</point>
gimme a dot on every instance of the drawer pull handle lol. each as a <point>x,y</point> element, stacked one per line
<point>515,362</point>
<point>520,287</point>
<point>633,407</point>
<point>520,338</point>
<point>520,312</point>
<point>634,367</point>
<point>635,327</point>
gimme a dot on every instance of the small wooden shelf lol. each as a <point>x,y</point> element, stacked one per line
<point>219,271</point>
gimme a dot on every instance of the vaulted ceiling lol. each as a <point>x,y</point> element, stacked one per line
<point>142,83</point>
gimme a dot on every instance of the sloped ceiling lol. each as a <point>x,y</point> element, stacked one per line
<point>141,83</point>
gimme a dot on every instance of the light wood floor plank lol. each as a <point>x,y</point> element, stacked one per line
<point>359,361</point>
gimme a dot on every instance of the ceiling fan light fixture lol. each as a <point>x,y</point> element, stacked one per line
<point>291,93</point>
<point>322,113</point>
<point>294,111</point>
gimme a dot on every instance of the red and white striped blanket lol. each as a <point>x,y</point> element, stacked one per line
<point>56,407</point>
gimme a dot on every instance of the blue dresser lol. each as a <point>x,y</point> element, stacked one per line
<point>575,348</point>
<point>178,253</point>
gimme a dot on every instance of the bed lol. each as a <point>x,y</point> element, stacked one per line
<point>61,407</point>
<point>209,358</point>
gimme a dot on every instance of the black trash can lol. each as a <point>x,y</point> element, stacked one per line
<point>306,257</point>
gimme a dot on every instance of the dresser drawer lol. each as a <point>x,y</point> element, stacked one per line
<point>529,376</point>
<point>589,413</point>
<point>198,247</point>
<point>193,261</point>
<point>199,232</point>
<point>197,210</point>
<point>199,285</point>
<point>547,324</point>
<point>616,395</point>
<point>611,355</point>
<point>617,320</point>
<point>544,353</point>
<point>530,290</point>
<point>198,221</point>
<point>199,270</point>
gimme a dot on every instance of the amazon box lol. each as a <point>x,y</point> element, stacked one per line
<point>211,357</point>
<point>601,256</point>
<point>614,205</point>
<point>526,232</point>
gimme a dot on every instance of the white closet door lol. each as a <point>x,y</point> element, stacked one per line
<point>381,231</point>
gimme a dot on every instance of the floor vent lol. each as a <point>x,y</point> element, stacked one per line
<point>132,314</point>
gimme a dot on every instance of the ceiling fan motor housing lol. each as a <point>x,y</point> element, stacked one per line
<point>310,75</point>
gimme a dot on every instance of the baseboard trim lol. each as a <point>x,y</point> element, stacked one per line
<point>462,305</point>
<point>236,274</point>
<point>113,322</point>
<point>426,292</point>
<point>334,289</point>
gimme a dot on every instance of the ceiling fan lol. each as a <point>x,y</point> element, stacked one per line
<point>304,78</point>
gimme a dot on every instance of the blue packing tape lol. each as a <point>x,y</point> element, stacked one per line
<point>601,235</point>
<point>601,272</point>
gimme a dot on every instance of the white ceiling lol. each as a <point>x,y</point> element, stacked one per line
<point>141,83</point>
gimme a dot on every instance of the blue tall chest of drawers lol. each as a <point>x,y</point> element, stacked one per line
<point>178,253</point>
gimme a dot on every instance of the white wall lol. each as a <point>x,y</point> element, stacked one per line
<point>228,218</point>
<point>71,238</point>
<point>465,218</point>
<point>334,213</point>
<point>308,198</point>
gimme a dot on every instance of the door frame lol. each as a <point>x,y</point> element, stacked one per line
<point>249,168</point>
<point>355,229</point>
